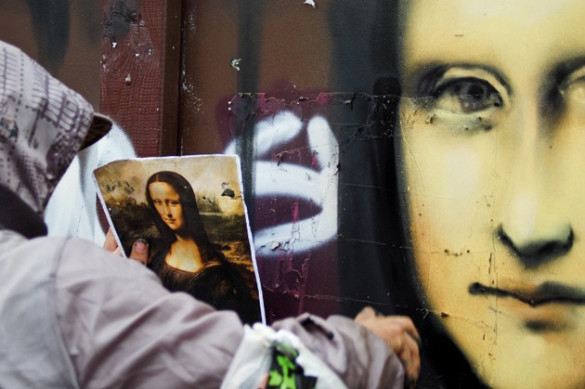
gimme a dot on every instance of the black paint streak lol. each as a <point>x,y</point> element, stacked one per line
<point>249,29</point>
<point>89,20</point>
<point>245,123</point>
<point>120,15</point>
<point>50,20</point>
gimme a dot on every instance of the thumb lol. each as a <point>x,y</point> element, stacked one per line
<point>140,251</point>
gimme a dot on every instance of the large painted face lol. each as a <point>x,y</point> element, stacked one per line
<point>168,205</point>
<point>491,155</point>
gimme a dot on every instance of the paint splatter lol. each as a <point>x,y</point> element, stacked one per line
<point>235,62</point>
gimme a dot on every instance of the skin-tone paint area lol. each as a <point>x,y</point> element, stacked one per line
<point>490,156</point>
<point>167,204</point>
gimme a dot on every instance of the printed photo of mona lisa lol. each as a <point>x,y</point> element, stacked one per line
<point>190,212</point>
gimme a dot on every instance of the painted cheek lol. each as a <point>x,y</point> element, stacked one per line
<point>462,172</point>
<point>448,208</point>
<point>461,195</point>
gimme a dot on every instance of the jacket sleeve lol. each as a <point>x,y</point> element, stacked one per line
<point>359,357</point>
<point>123,329</point>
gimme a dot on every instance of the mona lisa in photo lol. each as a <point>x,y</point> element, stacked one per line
<point>191,212</point>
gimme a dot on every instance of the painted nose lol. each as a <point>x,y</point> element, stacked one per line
<point>533,231</point>
<point>535,224</point>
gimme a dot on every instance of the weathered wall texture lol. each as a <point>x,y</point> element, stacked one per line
<point>289,87</point>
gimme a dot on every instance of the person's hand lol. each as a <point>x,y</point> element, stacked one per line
<point>139,248</point>
<point>400,334</point>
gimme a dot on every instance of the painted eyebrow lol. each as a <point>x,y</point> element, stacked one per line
<point>427,75</point>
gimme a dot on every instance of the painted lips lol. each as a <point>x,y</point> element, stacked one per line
<point>548,292</point>
<point>548,307</point>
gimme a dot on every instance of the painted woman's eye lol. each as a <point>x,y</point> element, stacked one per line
<point>574,91</point>
<point>465,95</point>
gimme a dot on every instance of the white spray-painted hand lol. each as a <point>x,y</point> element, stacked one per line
<point>294,181</point>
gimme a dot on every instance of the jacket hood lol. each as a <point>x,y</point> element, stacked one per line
<point>42,125</point>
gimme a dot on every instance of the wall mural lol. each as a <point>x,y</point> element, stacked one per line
<point>489,156</point>
<point>473,173</point>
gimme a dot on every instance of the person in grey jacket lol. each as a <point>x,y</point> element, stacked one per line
<point>73,315</point>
